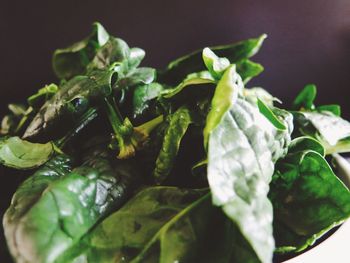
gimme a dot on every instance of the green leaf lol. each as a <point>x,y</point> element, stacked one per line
<point>200,78</point>
<point>331,130</point>
<point>42,95</point>
<point>178,125</point>
<point>20,154</point>
<point>308,200</point>
<point>153,223</point>
<point>72,61</point>
<point>143,95</point>
<point>335,109</point>
<point>136,56</point>
<point>215,65</point>
<point>305,98</point>
<point>226,93</point>
<point>248,69</point>
<point>52,210</point>
<point>242,149</point>
<point>115,52</point>
<point>306,143</point>
<point>268,113</point>
<point>136,77</point>
<point>177,70</point>
<point>72,100</point>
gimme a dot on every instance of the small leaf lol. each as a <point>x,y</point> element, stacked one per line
<point>248,69</point>
<point>42,95</point>
<point>143,95</point>
<point>268,113</point>
<point>136,56</point>
<point>214,64</point>
<point>305,98</point>
<point>178,125</point>
<point>72,61</point>
<point>335,109</point>
<point>20,154</point>
<point>225,95</point>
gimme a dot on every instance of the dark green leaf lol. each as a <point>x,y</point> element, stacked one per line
<point>20,154</point>
<point>180,68</point>
<point>136,56</point>
<point>178,125</point>
<point>73,99</point>
<point>72,61</point>
<point>143,95</point>
<point>54,209</point>
<point>308,200</point>
<point>153,223</point>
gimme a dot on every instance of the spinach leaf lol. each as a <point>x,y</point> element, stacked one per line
<point>72,100</point>
<point>215,65</point>
<point>248,69</point>
<point>177,127</point>
<point>20,154</point>
<point>200,78</point>
<point>155,221</point>
<point>241,155</point>
<point>331,130</point>
<point>63,206</point>
<point>307,197</point>
<point>268,113</point>
<point>180,68</point>
<point>72,61</point>
<point>226,93</point>
<point>253,94</point>
<point>142,97</point>
<point>305,98</point>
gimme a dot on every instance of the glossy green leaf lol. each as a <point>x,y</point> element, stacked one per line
<point>143,95</point>
<point>308,200</point>
<point>136,56</point>
<point>241,159</point>
<point>225,95</point>
<point>268,113</point>
<point>72,61</point>
<point>177,127</point>
<point>72,100</point>
<point>20,154</point>
<point>136,77</point>
<point>153,223</point>
<point>200,78</point>
<point>253,94</point>
<point>248,69</point>
<point>115,51</point>
<point>180,68</point>
<point>305,98</point>
<point>52,210</point>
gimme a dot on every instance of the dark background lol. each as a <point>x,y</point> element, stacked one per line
<point>309,42</point>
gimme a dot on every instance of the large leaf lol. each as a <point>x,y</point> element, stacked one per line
<point>180,68</point>
<point>307,197</point>
<point>162,224</point>
<point>72,61</point>
<point>53,209</point>
<point>20,154</point>
<point>177,127</point>
<point>241,153</point>
<point>226,93</point>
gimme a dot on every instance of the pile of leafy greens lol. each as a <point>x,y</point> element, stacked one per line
<point>186,164</point>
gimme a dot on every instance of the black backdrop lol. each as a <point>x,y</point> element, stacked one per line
<point>309,42</point>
